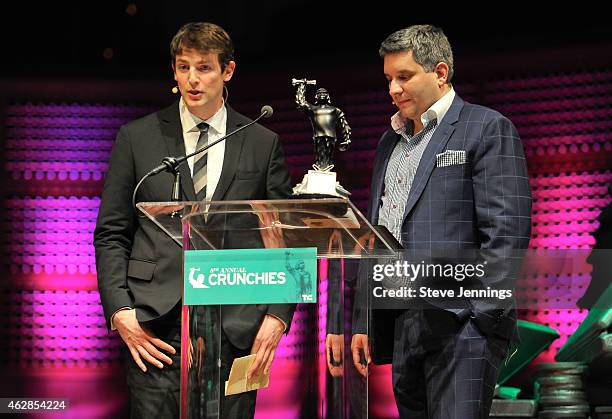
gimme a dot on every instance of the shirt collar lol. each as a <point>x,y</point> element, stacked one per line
<point>190,122</point>
<point>435,111</point>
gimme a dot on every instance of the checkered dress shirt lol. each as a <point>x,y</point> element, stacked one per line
<point>401,169</point>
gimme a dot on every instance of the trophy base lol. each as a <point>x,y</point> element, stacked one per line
<point>319,184</point>
<point>338,209</point>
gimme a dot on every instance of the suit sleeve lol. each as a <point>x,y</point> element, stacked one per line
<point>361,306</point>
<point>278,186</point>
<point>502,200</point>
<point>278,181</point>
<point>115,228</point>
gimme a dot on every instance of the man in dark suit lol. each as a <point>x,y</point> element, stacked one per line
<point>139,266</point>
<point>449,176</point>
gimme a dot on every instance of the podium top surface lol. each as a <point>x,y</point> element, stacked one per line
<point>334,226</point>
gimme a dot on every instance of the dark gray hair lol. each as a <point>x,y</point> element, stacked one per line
<point>428,44</point>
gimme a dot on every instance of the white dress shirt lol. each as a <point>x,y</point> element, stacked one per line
<point>217,128</point>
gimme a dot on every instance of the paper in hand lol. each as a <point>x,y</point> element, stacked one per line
<point>238,383</point>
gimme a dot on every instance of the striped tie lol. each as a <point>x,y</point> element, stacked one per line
<point>199,164</point>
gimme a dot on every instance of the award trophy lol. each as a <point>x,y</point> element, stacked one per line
<point>325,119</point>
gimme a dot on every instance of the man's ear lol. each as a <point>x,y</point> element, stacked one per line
<point>228,72</point>
<point>441,71</point>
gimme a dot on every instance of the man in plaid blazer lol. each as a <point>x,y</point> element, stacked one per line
<point>448,176</point>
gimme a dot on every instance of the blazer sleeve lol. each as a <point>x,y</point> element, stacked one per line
<point>502,200</point>
<point>278,186</point>
<point>115,227</point>
<point>278,181</point>
<point>361,307</point>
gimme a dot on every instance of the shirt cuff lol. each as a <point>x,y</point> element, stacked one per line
<point>112,324</point>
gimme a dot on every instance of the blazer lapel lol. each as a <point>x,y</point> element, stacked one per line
<point>172,131</point>
<point>435,146</point>
<point>231,156</point>
<point>385,148</point>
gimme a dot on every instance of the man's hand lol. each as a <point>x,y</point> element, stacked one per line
<point>264,346</point>
<point>270,226</point>
<point>360,343</point>
<point>334,351</point>
<point>140,342</point>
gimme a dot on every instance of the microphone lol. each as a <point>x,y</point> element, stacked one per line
<point>171,164</point>
<point>266,111</point>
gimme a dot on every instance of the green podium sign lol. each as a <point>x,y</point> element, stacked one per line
<point>250,276</point>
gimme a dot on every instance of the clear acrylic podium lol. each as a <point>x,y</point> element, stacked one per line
<point>302,381</point>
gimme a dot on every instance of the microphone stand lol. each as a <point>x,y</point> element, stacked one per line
<point>171,164</point>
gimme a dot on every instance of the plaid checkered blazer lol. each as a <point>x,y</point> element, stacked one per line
<point>470,191</point>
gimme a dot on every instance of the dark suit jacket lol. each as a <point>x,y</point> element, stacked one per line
<point>139,265</point>
<point>484,204</point>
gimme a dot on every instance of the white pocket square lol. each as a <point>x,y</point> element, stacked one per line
<point>450,158</point>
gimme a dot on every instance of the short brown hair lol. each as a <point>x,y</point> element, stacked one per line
<point>204,37</point>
